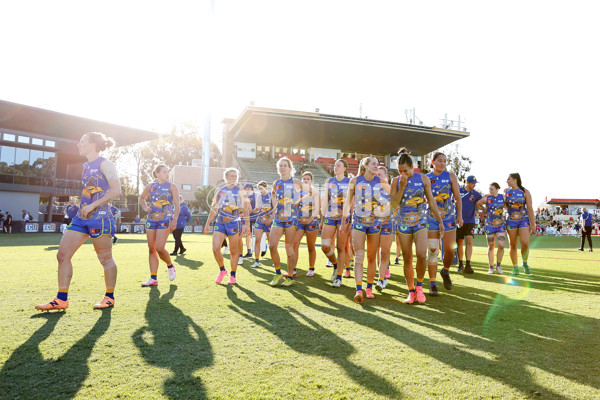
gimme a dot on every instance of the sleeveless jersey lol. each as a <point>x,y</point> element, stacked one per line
<point>229,204</point>
<point>95,186</point>
<point>286,195</point>
<point>441,188</point>
<point>367,200</point>
<point>515,200</point>
<point>337,196</point>
<point>306,207</point>
<point>411,211</point>
<point>384,211</point>
<point>494,211</point>
<point>161,201</point>
<point>265,207</point>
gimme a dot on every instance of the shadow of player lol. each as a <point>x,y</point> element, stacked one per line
<point>173,340</point>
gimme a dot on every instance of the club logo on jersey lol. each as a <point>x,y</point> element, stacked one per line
<point>415,201</point>
<point>433,181</point>
<point>440,198</point>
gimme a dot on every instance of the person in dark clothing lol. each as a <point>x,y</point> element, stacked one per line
<point>8,223</point>
<point>184,217</point>
<point>586,231</point>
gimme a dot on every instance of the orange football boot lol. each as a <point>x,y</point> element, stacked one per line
<point>56,304</point>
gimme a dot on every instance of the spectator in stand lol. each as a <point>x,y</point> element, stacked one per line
<point>71,211</point>
<point>137,219</point>
<point>25,216</point>
<point>586,221</point>
<point>184,217</point>
<point>1,221</point>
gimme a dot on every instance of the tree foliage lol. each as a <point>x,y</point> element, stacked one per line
<point>457,163</point>
<point>182,145</point>
<point>204,197</point>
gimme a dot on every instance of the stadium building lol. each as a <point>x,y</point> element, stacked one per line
<point>574,206</point>
<point>260,136</point>
<point>40,165</point>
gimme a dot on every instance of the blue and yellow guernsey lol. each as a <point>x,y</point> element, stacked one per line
<point>441,189</point>
<point>265,207</point>
<point>494,211</point>
<point>161,202</point>
<point>95,186</point>
<point>286,195</point>
<point>515,200</point>
<point>229,204</point>
<point>368,201</point>
<point>384,210</point>
<point>338,190</point>
<point>411,211</point>
<point>306,206</point>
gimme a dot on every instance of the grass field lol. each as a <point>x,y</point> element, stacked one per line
<point>490,337</point>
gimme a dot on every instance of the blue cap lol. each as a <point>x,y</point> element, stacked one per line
<point>248,185</point>
<point>471,179</point>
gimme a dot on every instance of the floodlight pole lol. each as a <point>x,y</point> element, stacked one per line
<point>207,126</point>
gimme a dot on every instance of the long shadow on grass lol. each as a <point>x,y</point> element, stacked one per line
<point>519,334</point>
<point>313,340</point>
<point>173,340</point>
<point>28,375</point>
<point>542,336</point>
<point>542,279</point>
<point>191,264</point>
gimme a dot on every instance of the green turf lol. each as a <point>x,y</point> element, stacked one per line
<point>490,337</point>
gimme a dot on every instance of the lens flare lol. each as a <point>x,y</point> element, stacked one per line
<point>501,301</point>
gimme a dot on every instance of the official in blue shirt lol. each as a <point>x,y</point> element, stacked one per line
<point>71,212</point>
<point>184,217</point>
<point>464,233</point>
<point>586,229</point>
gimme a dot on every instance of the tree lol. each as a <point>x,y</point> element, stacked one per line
<point>182,145</point>
<point>456,163</point>
<point>127,185</point>
<point>204,197</point>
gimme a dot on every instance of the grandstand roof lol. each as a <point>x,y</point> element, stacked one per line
<point>273,127</point>
<point>573,201</point>
<point>30,119</point>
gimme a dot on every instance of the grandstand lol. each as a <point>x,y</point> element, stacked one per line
<point>313,141</point>
<point>40,166</point>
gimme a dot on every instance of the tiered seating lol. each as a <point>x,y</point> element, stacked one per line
<point>296,158</point>
<point>329,162</point>
<point>319,173</point>
<point>258,169</point>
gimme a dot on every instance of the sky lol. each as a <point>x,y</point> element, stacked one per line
<point>523,75</point>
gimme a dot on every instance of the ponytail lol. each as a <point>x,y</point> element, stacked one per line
<point>101,141</point>
<point>404,157</point>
